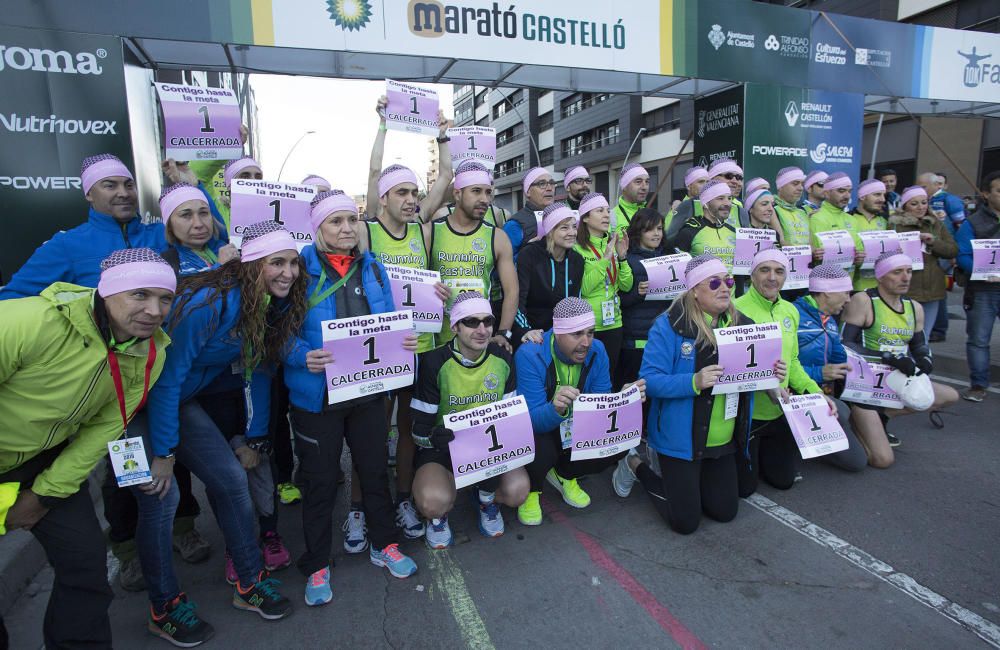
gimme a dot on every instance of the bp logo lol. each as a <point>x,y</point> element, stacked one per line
<point>687,348</point>
<point>491,381</point>
<point>478,245</point>
<point>116,449</point>
<point>772,43</point>
<point>351,15</point>
<point>415,246</point>
<point>791,113</point>
<point>716,37</point>
<point>787,323</point>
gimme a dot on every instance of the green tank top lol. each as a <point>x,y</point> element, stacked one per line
<point>465,262</point>
<point>890,330</point>
<point>794,222</point>
<point>720,242</point>
<point>464,387</point>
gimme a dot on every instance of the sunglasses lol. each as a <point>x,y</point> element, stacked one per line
<point>543,184</point>
<point>819,185</point>
<point>473,323</point>
<point>732,176</point>
<point>715,283</point>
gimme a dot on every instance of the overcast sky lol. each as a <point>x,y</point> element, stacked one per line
<point>342,112</point>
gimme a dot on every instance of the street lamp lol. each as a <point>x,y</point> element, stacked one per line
<point>288,155</point>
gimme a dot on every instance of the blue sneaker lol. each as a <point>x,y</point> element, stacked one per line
<point>399,565</point>
<point>438,534</point>
<point>318,591</point>
<point>490,519</point>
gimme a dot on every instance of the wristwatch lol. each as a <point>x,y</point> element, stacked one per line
<point>169,456</point>
<point>443,139</point>
<point>260,445</point>
<point>505,333</point>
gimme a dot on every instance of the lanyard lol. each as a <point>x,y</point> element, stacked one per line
<point>116,377</point>
<point>565,275</point>
<point>318,297</point>
<point>207,255</point>
<point>612,270</point>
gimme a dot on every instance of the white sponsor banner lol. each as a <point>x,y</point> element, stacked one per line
<point>961,65</point>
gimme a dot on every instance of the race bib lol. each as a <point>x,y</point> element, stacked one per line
<point>607,313</point>
<point>747,354</point>
<point>128,460</point>
<point>816,431</point>
<point>606,424</point>
<point>877,242</point>
<point>866,384</point>
<point>490,440</point>
<point>749,242</point>
<point>838,247</point>
<point>985,261</point>
<point>368,355</point>
<point>414,290</point>
<point>798,266</point>
<point>666,276</point>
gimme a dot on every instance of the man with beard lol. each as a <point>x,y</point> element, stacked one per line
<point>793,219</point>
<point>577,182</point>
<point>539,193</point>
<point>813,187</point>
<point>868,216</point>
<point>710,233</point>
<point>731,174</point>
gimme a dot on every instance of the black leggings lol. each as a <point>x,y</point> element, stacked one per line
<point>282,458</point>
<point>550,454</point>
<point>612,340</point>
<point>774,456</point>
<point>690,487</point>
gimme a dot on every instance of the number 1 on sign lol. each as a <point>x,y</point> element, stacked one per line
<point>815,427</point>
<point>613,416</point>
<point>408,290</point>
<point>208,125</point>
<point>472,143</point>
<point>413,106</point>
<point>491,431</point>
<point>370,344</point>
<point>276,204</point>
<point>753,360</point>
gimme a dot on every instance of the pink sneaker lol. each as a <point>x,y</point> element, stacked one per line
<point>231,575</point>
<point>276,556</point>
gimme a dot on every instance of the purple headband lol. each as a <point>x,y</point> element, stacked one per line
<point>574,173</point>
<point>789,175</point>
<point>714,191</point>
<point>573,324</point>
<point>756,184</point>
<point>830,285</point>
<point>724,167</point>
<point>397,176</point>
<point>769,255</point>
<point>593,203</point>
<point>814,177</point>
<point>236,167</point>
<point>533,175</point>
<point>103,169</point>
<point>911,193</point>
<point>327,206</point>
<point>694,175</point>
<point>175,198</point>
<point>467,308</point>
<point>631,174</point>
<point>555,217</point>
<point>755,195</point>
<point>473,177</point>
<point>836,182</point>
<point>891,263</point>
<point>136,275</point>
<point>704,271</point>
<point>313,179</point>
<point>870,186</point>
<point>268,244</point>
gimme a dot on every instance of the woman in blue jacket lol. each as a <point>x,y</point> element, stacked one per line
<point>342,282</point>
<point>238,318</point>
<point>697,446</point>
<point>196,242</point>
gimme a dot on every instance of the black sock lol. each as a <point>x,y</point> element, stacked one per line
<point>402,496</point>
<point>357,505</point>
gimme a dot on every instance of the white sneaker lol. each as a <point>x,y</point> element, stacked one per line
<point>624,478</point>
<point>408,519</point>
<point>356,537</point>
<point>438,534</point>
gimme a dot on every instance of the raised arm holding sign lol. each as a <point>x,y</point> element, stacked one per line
<point>411,109</point>
<point>288,205</point>
<point>416,290</point>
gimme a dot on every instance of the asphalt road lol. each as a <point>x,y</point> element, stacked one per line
<point>840,560</point>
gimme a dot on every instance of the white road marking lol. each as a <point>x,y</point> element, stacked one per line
<point>962,382</point>
<point>984,629</point>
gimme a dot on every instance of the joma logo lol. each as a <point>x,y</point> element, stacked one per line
<point>39,60</point>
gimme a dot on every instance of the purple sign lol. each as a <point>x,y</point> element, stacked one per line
<point>747,354</point>
<point>985,261</point>
<point>838,247</point>
<point>368,355</point>
<point>876,242</point>
<point>912,247</point>
<point>749,242</point>
<point>490,440</point>
<point>866,383</point>
<point>817,432</point>
<point>798,266</point>
<point>666,276</point>
<point>414,290</point>
<point>411,109</point>
<point>478,143</point>
<point>604,425</point>
<point>200,123</point>
<point>253,201</point>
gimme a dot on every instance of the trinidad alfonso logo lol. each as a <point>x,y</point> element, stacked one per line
<point>716,37</point>
<point>352,15</point>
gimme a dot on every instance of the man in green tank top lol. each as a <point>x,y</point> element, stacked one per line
<point>472,255</point>
<point>883,324</point>
<point>868,216</point>
<point>710,233</point>
<point>469,371</point>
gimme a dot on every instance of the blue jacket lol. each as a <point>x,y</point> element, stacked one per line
<point>521,228</point>
<point>189,262</point>
<point>536,379</point>
<point>952,206</point>
<point>818,344</point>
<point>307,390</point>
<point>203,347</point>
<point>668,366</point>
<point>75,255</point>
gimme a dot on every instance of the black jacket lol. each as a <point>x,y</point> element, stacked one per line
<point>542,282</point>
<point>638,313</point>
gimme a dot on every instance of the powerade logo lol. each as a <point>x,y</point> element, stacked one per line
<point>824,153</point>
<point>39,60</point>
<point>780,151</point>
<point>976,72</point>
<point>40,182</point>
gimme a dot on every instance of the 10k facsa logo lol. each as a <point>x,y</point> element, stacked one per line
<point>41,60</point>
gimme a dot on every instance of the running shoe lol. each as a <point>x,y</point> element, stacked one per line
<point>438,534</point>
<point>356,537</point>
<point>623,477</point>
<point>276,556</point>
<point>262,597</point>
<point>288,494</point>
<point>490,519</point>
<point>130,575</point>
<point>893,440</point>
<point>179,625</point>
<point>192,547</point>
<point>529,513</point>
<point>318,590</point>
<point>975,394</point>
<point>571,491</point>
<point>392,442</point>
<point>231,576</point>
<point>390,557</point>
<point>408,519</point>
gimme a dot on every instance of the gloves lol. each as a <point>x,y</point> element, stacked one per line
<point>440,436</point>
<point>926,364</point>
<point>904,364</point>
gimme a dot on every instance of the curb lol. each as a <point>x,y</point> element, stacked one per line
<point>959,368</point>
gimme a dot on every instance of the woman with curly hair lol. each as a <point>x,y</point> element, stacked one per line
<point>236,319</point>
